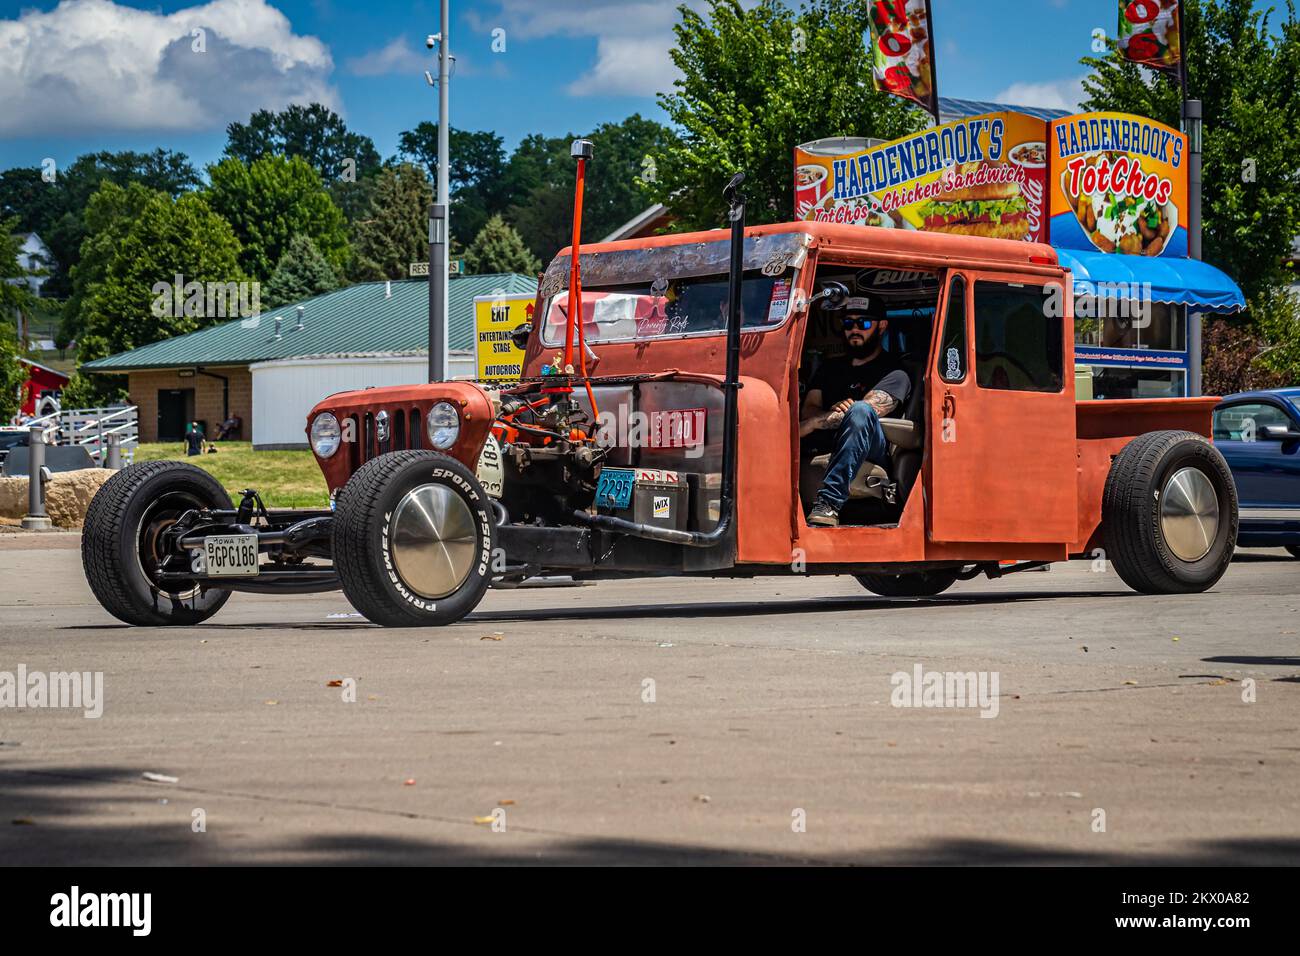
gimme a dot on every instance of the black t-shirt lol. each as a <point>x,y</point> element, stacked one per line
<point>838,379</point>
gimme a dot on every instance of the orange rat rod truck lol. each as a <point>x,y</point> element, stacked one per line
<point>655,432</point>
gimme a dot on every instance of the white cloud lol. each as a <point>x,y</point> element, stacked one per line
<point>396,57</point>
<point>633,39</point>
<point>96,65</point>
<point>634,66</point>
<point>1054,94</point>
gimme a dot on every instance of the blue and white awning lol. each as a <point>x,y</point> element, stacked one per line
<point>1178,281</point>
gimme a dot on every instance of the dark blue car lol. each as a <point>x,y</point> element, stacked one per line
<point>1259,434</point>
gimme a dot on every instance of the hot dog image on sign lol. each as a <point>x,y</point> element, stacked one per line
<point>902,50</point>
<point>1148,33</point>
<point>1119,185</point>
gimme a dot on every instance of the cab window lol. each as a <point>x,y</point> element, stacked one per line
<point>952,348</point>
<point>1018,339</point>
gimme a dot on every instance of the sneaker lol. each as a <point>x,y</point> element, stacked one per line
<point>824,514</point>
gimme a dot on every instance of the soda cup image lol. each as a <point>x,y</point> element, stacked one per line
<point>810,185</point>
<point>1031,158</point>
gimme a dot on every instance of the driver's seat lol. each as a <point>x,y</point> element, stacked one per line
<point>906,437</point>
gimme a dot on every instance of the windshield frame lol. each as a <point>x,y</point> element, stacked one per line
<point>775,256</point>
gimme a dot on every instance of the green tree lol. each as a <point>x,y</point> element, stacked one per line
<point>301,274</point>
<point>13,300</point>
<point>108,218</point>
<point>54,210</point>
<point>620,180</point>
<point>475,174</point>
<point>750,92</point>
<point>12,373</point>
<point>498,248</point>
<point>93,391</point>
<point>271,201</point>
<point>184,237</point>
<point>315,132</point>
<point>395,231</point>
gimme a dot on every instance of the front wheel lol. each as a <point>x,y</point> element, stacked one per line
<point>1169,513</point>
<point>123,545</point>
<point>914,584</point>
<point>413,539</point>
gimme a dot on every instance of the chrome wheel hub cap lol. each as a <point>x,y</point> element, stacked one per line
<point>1189,514</point>
<point>433,540</point>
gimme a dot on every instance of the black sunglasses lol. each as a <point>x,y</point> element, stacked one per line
<point>864,324</point>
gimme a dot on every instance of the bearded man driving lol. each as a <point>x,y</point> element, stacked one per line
<point>846,399</point>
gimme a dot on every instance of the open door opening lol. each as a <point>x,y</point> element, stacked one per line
<point>872,337</point>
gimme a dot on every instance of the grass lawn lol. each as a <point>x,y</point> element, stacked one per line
<point>284,479</point>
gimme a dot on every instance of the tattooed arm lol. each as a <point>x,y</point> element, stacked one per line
<point>882,402</point>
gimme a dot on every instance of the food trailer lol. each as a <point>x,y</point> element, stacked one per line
<point>1108,190</point>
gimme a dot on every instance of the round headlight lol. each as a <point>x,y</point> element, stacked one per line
<point>444,425</point>
<point>325,435</point>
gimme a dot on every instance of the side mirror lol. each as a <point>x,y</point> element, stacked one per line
<point>1279,433</point>
<point>832,293</point>
<point>520,336</point>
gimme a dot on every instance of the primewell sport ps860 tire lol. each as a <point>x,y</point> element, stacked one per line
<point>413,539</point>
<point>121,542</point>
<point>1169,513</point>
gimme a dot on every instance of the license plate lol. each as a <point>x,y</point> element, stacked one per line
<point>230,555</point>
<point>614,490</point>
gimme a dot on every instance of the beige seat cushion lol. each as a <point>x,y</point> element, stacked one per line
<point>869,482</point>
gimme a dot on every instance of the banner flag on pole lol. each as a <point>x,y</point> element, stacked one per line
<point>902,51</point>
<point>1150,34</point>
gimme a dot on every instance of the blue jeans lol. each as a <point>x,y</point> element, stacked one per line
<point>859,439</point>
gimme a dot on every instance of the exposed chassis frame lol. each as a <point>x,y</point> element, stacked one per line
<point>586,553</point>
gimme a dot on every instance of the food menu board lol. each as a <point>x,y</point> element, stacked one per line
<point>1118,184</point>
<point>979,176</point>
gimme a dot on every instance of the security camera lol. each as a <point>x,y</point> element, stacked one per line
<point>431,39</point>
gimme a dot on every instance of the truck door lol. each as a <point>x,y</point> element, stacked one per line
<point>1002,462</point>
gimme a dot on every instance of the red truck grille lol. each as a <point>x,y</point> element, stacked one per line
<point>405,431</point>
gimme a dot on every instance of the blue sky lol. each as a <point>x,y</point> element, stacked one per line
<point>95,74</point>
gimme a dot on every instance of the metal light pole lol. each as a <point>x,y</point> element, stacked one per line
<point>1193,128</point>
<point>439,215</point>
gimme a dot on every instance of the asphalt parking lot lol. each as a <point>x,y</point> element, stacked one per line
<point>671,721</point>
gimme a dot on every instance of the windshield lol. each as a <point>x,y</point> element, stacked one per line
<point>660,308</point>
<point>665,291</point>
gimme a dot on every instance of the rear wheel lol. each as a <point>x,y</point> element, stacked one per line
<point>913,584</point>
<point>122,543</point>
<point>1169,513</point>
<point>413,538</point>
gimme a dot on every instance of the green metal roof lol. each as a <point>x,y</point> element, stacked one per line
<point>360,318</point>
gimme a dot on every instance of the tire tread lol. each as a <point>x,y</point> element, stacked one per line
<point>101,557</point>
